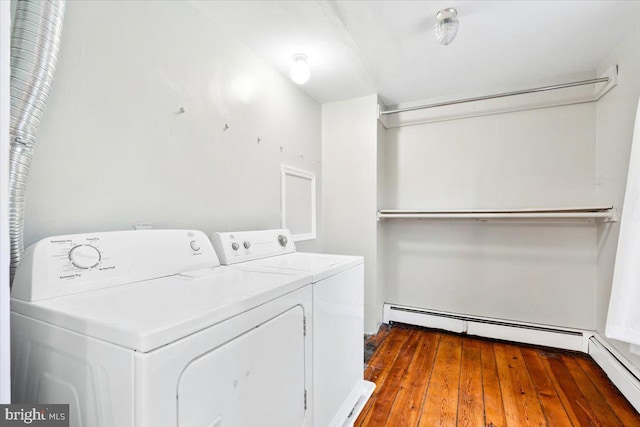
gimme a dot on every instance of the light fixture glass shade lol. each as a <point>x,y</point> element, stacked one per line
<point>300,72</point>
<point>446,25</point>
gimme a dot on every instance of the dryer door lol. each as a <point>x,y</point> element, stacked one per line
<point>256,379</point>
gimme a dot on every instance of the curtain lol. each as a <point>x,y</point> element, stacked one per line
<point>623,319</point>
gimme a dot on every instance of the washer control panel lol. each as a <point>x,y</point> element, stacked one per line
<point>69,264</point>
<point>241,246</point>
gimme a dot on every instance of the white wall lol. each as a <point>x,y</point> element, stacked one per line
<point>349,190</point>
<point>534,272</point>
<point>616,115</point>
<point>114,151</point>
<point>5,374</point>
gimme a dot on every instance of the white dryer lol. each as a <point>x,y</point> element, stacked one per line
<point>145,329</point>
<point>339,390</point>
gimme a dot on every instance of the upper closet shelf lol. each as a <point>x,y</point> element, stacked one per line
<point>555,94</point>
<point>604,213</point>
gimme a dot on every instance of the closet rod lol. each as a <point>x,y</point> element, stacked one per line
<point>499,95</point>
<point>607,208</point>
<point>595,212</point>
<point>541,215</point>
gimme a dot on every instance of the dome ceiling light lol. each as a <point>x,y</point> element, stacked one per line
<point>300,72</point>
<point>446,25</point>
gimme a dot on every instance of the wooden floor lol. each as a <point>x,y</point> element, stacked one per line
<point>429,378</point>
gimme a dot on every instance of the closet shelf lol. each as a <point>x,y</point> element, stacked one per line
<point>603,213</point>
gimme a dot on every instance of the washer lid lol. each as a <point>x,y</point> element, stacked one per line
<point>149,314</point>
<point>320,266</point>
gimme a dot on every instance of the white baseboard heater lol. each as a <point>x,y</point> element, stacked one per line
<point>528,333</point>
<point>621,372</point>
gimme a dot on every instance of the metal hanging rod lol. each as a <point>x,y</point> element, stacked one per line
<point>597,212</point>
<point>483,211</point>
<point>499,95</point>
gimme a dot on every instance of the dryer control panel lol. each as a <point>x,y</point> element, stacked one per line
<point>74,263</point>
<point>241,246</point>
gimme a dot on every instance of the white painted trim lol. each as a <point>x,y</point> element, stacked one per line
<point>289,171</point>
<point>617,368</point>
<point>528,333</point>
<point>5,345</point>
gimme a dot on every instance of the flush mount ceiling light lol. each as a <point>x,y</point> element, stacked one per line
<point>300,72</point>
<point>446,25</point>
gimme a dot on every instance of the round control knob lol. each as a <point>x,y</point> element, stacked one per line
<point>246,244</point>
<point>235,246</point>
<point>84,256</point>
<point>282,240</point>
<point>194,245</point>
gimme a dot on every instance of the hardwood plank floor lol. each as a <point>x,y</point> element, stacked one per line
<point>441,403</point>
<point>430,378</point>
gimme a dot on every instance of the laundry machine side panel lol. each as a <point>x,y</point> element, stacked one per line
<point>53,365</point>
<point>338,350</point>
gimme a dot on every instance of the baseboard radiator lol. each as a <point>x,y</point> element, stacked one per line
<point>528,333</point>
<point>620,370</point>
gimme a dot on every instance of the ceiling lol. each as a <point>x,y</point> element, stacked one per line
<point>357,48</point>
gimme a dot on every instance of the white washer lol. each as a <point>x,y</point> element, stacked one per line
<point>144,328</point>
<point>339,391</point>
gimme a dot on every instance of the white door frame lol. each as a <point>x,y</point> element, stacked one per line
<point>5,103</point>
